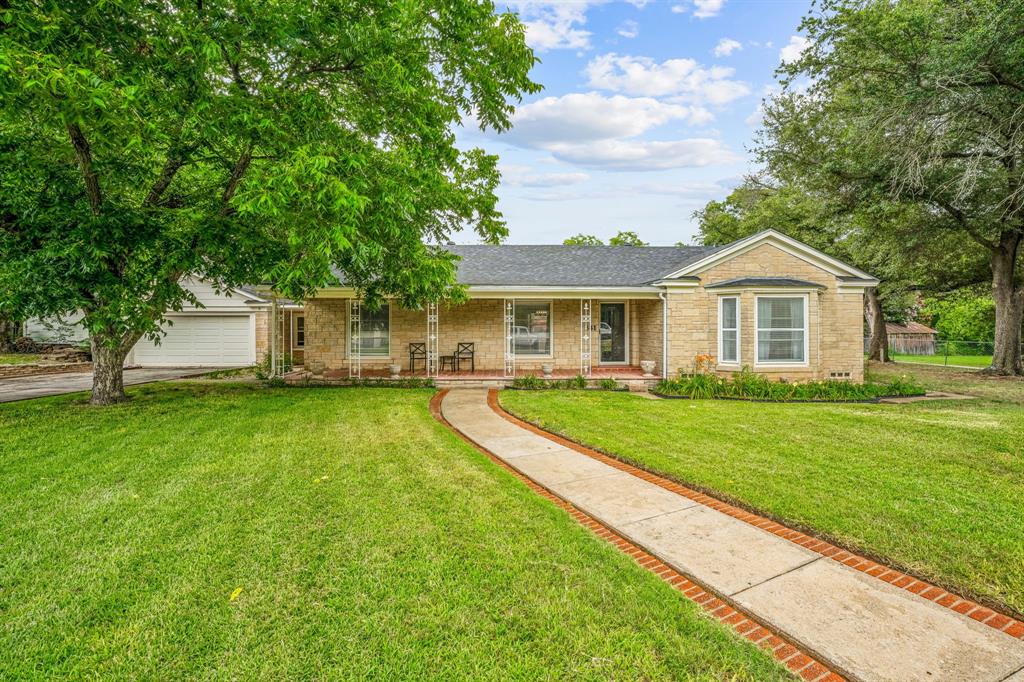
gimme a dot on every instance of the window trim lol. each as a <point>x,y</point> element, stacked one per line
<point>348,332</point>
<point>551,329</point>
<point>806,329</point>
<point>739,336</point>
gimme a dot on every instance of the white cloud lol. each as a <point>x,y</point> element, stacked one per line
<point>726,46</point>
<point>684,78</point>
<point>518,175</point>
<point>643,155</point>
<point>639,4</point>
<point>592,116</point>
<point>792,51</point>
<point>704,9</point>
<point>628,29</point>
<point>554,26</point>
<point>599,131</point>
<point>678,9</point>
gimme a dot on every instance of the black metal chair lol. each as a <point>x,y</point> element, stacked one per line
<point>417,353</point>
<point>465,352</point>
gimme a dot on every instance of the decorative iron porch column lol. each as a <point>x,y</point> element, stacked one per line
<point>272,324</point>
<point>585,345</point>
<point>355,365</point>
<point>432,339</point>
<point>509,308</point>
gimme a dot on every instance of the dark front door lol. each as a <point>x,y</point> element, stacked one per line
<point>613,332</point>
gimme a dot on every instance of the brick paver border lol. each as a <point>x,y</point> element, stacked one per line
<point>786,652</point>
<point>983,614</point>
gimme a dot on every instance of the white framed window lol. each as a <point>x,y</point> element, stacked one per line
<point>375,331</point>
<point>729,330</point>
<point>781,329</point>
<point>531,328</point>
<point>298,331</point>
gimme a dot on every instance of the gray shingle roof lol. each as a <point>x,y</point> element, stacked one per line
<point>557,265</point>
<point>764,282</point>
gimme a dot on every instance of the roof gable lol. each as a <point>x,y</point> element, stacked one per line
<point>791,246</point>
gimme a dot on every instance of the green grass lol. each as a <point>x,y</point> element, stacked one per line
<point>367,542</point>
<point>967,381</point>
<point>960,360</point>
<point>18,358</point>
<point>935,487</point>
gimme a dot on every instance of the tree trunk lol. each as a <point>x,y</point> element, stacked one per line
<point>1009,298</point>
<point>108,355</point>
<point>8,332</point>
<point>878,347</point>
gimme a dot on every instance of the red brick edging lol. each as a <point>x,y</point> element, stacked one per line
<point>796,660</point>
<point>998,621</point>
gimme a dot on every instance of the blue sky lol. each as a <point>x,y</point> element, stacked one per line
<point>648,112</point>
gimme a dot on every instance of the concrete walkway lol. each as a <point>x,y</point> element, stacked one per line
<point>41,385</point>
<point>863,627</point>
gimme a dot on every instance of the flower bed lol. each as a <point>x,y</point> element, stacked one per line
<point>746,385</point>
<point>532,382</point>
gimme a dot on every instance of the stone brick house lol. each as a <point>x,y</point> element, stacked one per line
<point>768,302</point>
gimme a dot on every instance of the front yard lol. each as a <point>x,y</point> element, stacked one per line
<point>239,532</point>
<point>936,487</point>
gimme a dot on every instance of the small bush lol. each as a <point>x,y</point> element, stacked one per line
<point>609,384</point>
<point>530,381</point>
<point>748,385</point>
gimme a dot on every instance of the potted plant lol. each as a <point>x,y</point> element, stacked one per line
<point>395,369</point>
<point>548,369</point>
<point>648,367</point>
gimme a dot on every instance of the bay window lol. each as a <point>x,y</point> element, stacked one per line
<point>781,330</point>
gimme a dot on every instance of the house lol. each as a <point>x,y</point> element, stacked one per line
<point>767,301</point>
<point>912,338</point>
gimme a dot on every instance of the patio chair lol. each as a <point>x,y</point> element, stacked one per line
<point>417,353</point>
<point>465,352</point>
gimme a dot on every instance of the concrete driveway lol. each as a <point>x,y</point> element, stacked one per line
<point>22,388</point>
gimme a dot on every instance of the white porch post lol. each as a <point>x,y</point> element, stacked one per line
<point>355,367</point>
<point>273,335</point>
<point>586,348</point>
<point>509,308</point>
<point>432,319</point>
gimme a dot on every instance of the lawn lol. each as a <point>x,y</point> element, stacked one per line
<point>18,358</point>
<point>955,360</point>
<point>934,487</point>
<point>238,532</point>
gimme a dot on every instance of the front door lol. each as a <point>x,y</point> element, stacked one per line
<point>613,333</point>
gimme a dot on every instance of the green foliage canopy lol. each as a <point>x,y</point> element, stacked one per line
<point>270,140</point>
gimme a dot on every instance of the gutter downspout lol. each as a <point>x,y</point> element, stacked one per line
<point>664,333</point>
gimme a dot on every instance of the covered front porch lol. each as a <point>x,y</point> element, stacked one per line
<point>614,335</point>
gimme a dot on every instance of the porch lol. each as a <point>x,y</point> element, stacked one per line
<point>499,338</point>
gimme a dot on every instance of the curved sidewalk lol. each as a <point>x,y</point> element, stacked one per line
<point>862,627</point>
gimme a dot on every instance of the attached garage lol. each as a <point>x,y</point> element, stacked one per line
<point>201,340</point>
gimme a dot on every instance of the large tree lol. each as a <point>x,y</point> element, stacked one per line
<point>141,142</point>
<point>920,101</point>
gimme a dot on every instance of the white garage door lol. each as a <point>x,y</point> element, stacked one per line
<point>200,341</point>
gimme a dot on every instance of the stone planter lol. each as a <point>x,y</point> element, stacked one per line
<point>395,370</point>
<point>648,367</point>
<point>548,370</point>
<point>316,367</point>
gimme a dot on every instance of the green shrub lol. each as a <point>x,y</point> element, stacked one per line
<point>748,385</point>
<point>529,381</point>
<point>577,382</point>
<point>609,384</point>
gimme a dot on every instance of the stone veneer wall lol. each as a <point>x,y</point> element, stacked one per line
<point>480,321</point>
<point>835,341</point>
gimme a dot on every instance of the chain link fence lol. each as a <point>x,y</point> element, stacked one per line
<point>941,352</point>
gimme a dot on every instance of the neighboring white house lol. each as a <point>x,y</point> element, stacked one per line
<point>222,333</point>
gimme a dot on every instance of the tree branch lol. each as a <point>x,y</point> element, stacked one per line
<point>237,173</point>
<point>84,156</point>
